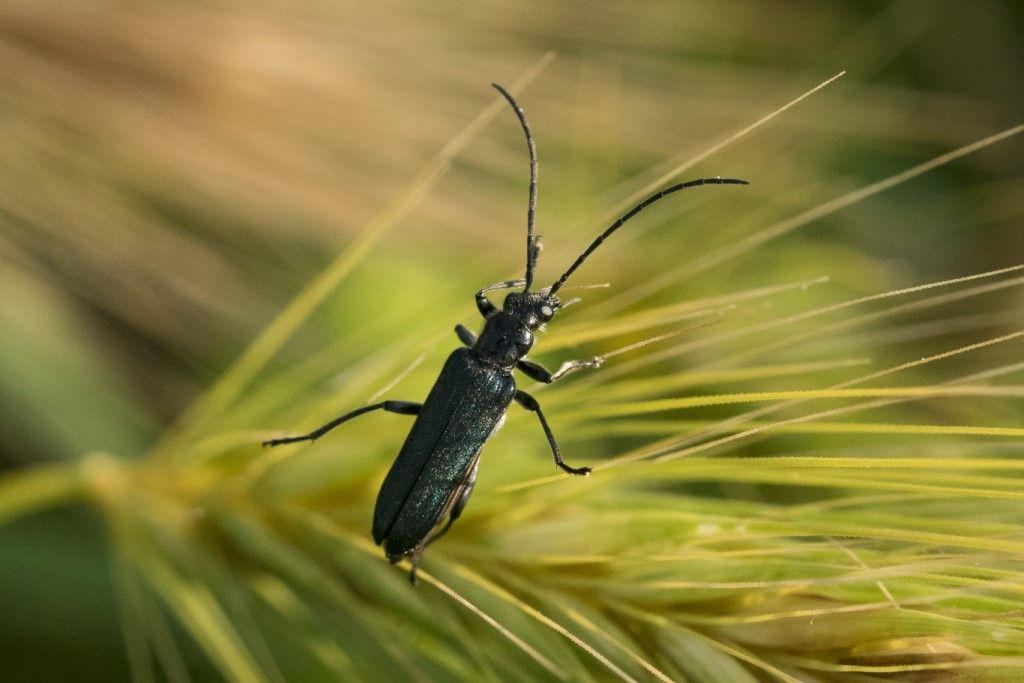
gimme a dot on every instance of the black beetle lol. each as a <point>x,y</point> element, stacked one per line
<point>434,473</point>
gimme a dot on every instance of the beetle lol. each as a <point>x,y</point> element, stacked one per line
<point>430,481</point>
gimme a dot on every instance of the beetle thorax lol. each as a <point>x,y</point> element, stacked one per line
<point>504,340</point>
<point>508,334</point>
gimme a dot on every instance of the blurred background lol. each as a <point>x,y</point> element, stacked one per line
<point>172,174</point>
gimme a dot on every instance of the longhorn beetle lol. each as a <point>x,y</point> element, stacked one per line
<point>434,473</point>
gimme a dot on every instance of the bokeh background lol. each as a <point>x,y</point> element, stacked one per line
<point>173,173</point>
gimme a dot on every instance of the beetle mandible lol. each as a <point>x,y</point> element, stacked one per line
<point>434,473</point>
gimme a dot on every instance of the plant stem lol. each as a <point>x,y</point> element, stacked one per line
<point>27,491</point>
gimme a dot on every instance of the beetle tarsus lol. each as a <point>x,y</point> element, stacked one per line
<point>579,471</point>
<point>288,439</point>
<point>573,365</point>
<point>542,374</point>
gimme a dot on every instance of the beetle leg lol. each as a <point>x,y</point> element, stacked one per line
<point>483,304</point>
<point>465,336</point>
<point>460,505</point>
<point>415,555</point>
<point>542,374</point>
<point>400,407</point>
<point>530,403</point>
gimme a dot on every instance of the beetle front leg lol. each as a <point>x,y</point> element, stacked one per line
<point>530,403</point>
<point>542,374</point>
<point>400,407</point>
<point>483,304</point>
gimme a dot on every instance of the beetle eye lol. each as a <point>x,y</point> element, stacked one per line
<point>546,312</point>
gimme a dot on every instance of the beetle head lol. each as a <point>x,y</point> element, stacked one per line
<point>532,309</point>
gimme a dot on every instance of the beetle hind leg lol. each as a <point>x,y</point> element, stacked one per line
<point>461,498</point>
<point>400,407</point>
<point>460,505</point>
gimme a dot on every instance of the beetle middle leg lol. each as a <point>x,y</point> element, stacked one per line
<point>542,374</point>
<point>400,407</point>
<point>465,335</point>
<point>530,403</point>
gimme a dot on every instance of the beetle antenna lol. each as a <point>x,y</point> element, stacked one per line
<point>531,241</point>
<point>634,211</point>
